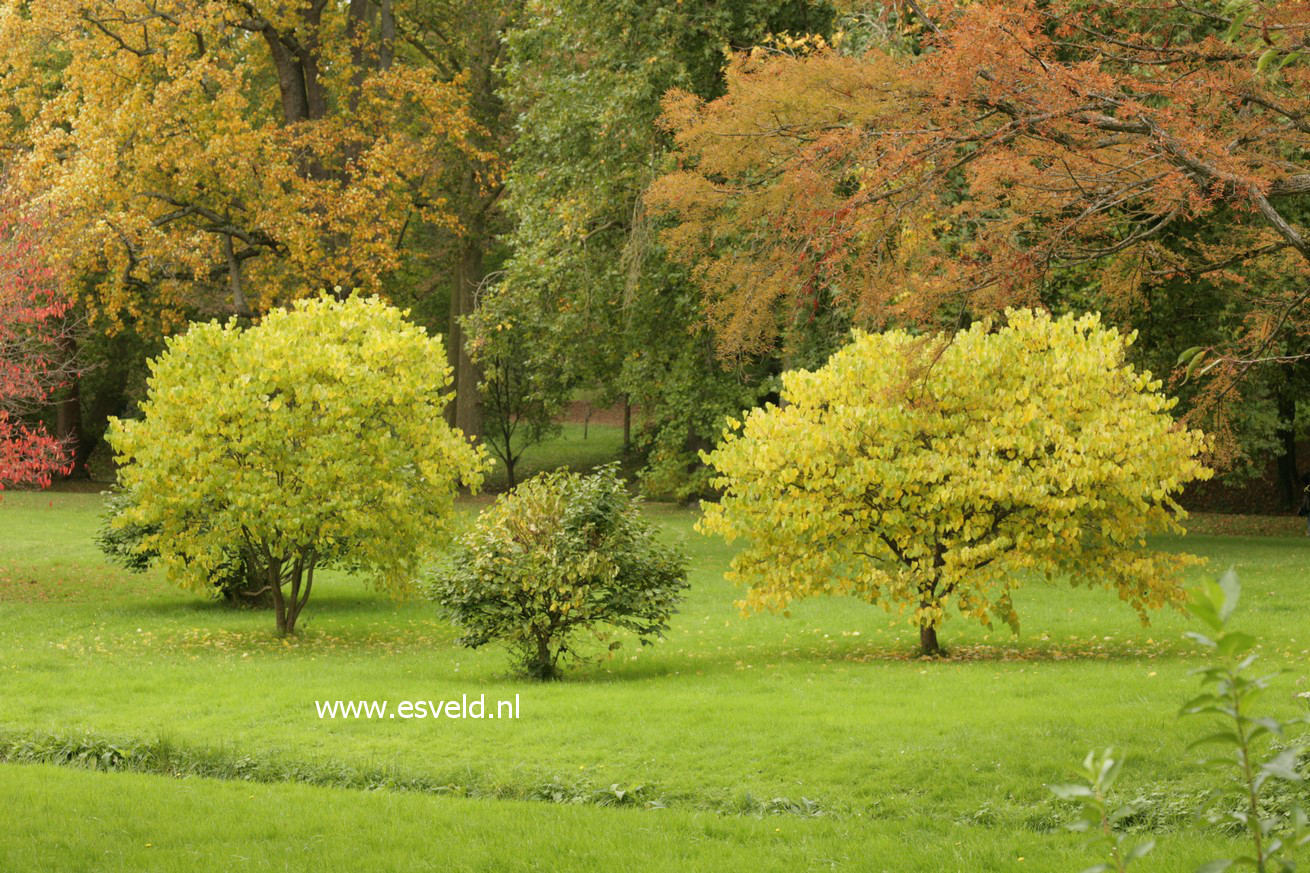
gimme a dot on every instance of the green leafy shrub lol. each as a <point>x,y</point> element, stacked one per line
<point>1100,818</point>
<point>562,553</point>
<point>124,543</point>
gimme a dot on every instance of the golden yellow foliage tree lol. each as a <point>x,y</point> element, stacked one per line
<point>928,474</point>
<point>314,439</point>
<point>223,156</point>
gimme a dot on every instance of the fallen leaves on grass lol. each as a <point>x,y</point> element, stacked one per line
<point>412,636</point>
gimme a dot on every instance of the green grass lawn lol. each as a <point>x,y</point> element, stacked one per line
<point>78,820</point>
<point>576,447</point>
<point>877,761</point>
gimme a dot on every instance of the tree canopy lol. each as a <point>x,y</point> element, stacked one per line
<point>664,205</point>
<point>224,157</point>
<point>314,439</point>
<point>930,473</point>
<point>1008,147</point>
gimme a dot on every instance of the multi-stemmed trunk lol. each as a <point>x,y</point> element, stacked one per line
<point>542,665</point>
<point>290,582</point>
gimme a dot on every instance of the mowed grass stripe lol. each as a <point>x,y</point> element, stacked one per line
<point>79,820</point>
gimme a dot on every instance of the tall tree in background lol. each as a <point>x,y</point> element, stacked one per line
<point>32,329</point>
<point>585,79</point>
<point>465,40</point>
<point>214,157</point>
<point>224,156</point>
<point>525,366</point>
<point>1023,140</point>
<point>1173,312</point>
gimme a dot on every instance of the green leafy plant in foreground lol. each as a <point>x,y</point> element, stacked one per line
<point>1250,762</point>
<point>1100,818</point>
<point>1229,694</point>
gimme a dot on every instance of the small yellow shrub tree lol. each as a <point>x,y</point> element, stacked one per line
<point>926,474</point>
<point>313,439</point>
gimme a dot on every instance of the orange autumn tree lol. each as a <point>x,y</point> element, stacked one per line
<point>1012,143</point>
<point>224,156</point>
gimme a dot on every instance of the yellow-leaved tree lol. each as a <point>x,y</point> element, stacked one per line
<point>315,439</point>
<point>209,156</point>
<point>928,474</point>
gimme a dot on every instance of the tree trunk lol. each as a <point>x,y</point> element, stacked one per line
<point>239,305</point>
<point>482,81</point>
<point>387,50</point>
<point>542,665</point>
<point>294,605</point>
<point>928,641</point>
<point>627,423</point>
<point>279,602</point>
<point>1289,476</point>
<point>68,417</point>
<point>454,342</point>
<point>290,78</point>
<point>466,411</point>
<point>288,609</point>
